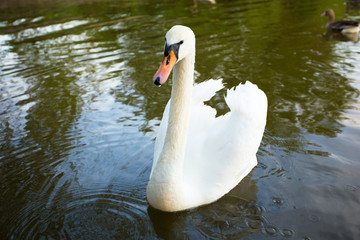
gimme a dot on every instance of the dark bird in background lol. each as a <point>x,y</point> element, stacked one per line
<point>341,26</point>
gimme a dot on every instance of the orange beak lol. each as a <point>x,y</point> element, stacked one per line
<point>165,68</point>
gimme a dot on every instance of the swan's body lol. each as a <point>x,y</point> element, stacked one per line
<point>198,158</point>
<point>343,26</point>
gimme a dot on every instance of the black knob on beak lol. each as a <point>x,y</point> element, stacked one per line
<point>157,81</point>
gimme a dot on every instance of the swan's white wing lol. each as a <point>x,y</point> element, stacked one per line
<point>226,147</point>
<point>239,137</point>
<point>202,120</point>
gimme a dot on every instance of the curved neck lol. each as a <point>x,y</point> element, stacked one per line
<point>165,188</point>
<point>175,140</point>
<point>171,158</point>
<point>331,17</point>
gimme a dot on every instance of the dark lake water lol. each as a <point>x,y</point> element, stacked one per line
<point>79,113</point>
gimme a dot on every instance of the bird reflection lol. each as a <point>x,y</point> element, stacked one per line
<point>354,37</point>
<point>236,214</point>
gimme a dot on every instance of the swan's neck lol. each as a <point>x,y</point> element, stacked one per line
<point>175,140</point>
<point>165,185</point>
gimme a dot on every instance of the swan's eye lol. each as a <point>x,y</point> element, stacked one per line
<point>168,60</point>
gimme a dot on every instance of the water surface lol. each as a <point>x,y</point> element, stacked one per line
<point>79,113</point>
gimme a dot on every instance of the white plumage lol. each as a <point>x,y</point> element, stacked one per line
<point>198,158</point>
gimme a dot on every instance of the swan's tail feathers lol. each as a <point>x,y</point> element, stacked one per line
<point>246,99</point>
<point>206,90</point>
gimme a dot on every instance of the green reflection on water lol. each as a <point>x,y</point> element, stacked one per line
<point>79,111</point>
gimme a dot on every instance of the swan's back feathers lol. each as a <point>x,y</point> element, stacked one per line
<point>224,147</point>
<point>246,99</point>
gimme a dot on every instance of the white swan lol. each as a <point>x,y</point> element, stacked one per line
<point>198,158</point>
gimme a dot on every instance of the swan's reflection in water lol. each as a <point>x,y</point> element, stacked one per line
<point>233,216</point>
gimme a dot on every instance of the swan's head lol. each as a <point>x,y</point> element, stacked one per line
<point>179,43</point>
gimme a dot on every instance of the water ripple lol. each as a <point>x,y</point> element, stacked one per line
<point>77,212</point>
